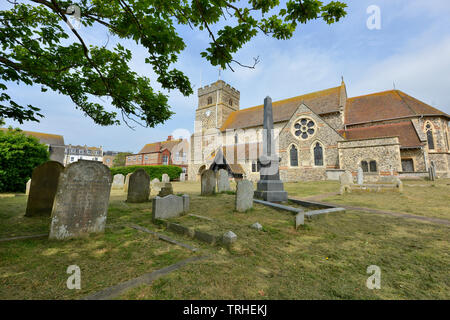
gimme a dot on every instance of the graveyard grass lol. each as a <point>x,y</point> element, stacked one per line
<point>325,259</point>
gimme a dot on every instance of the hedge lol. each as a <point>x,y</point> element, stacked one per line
<point>153,171</point>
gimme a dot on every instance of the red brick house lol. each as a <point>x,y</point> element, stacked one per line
<point>169,152</point>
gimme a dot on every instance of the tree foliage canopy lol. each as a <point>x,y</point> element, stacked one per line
<point>120,159</point>
<point>19,155</point>
<point>39,48</point>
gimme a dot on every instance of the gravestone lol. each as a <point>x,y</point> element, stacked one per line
<point>346,180</point>
<point>208,182</point>
<point>169,206</point>
<point>27,188</point>
<point>256,226</point>
<point>269,187</point>
<point>138,187</point>
<point>244,195</point>
<point>360,178</point>
<point>165,178</point>
<point>81,201</point>
<point>182,176</point>
<point>432,172</point>
<point>166,189</point>
<point>44,182</point>
<point>223,182</point>
<point>118,181</point>
<point>155,185</point>
<point>229,238</point>
<point>127,180</point>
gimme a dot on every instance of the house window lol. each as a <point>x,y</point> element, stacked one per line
<point>165,159</point>
<point>293,156</point>
<point>318,155</point>
<point>365,166</point>
<point>209,100</point>
<point>71,159</point>
<point>373,166</point>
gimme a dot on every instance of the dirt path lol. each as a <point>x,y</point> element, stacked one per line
<point>405,215</point>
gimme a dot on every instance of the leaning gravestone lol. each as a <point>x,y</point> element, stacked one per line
<point>169,206</point>
<point>208,182</point>
<point>81,201</point>
<point>360,177</point>
<point>127,180</point>
<point>244,195</point>
<point>27,188</point>
<point>118,181</point>
<point>44,182</point>
<point>138,187</point>
<point>223,183</point>
<point>165,178</point>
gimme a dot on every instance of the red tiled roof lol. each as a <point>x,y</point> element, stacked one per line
<point>320,102</point>
<point>386,105</point>
<point>159,146</point>
<point>404,130</point>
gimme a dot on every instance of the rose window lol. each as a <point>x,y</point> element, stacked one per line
<point>304,128</point>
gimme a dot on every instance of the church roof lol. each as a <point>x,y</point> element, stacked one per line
<point>386,105</point>
<point>324,101</point>
<point>404,130</point>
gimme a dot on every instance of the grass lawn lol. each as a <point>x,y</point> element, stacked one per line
<point>325,259</point>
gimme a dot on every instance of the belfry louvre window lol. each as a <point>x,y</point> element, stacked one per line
<point>294,156</point>
<point>256,166</point>
<point>318,155</point>
<point>209,100</point>
<point>365,166</point>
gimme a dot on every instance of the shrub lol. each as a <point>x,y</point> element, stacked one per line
<point>19,155</point>
<point>153,171</point>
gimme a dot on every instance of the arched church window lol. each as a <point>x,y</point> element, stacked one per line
<point>209,100</point>
<point>304,128</point>
<point>430,140</point>
<point>293,154</point>
<point>373,166</point>
<point>318,155</point>
<point>365,166</point>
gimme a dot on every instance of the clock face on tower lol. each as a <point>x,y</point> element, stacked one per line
<point>207,113</point>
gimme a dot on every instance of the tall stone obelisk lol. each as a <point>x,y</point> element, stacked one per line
<point>269,187</point>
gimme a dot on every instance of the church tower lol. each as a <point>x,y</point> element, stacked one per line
<point>215,103</point>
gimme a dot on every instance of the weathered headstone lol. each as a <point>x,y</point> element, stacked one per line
<point>299,219</point>
<point>223,182</point>
<point>208,182</point>
<point>138,187</point>
<point>229,238</point>
<point>155,185</point>
<point>346,180</point>
<point>398,184</point>
<point>165,178</point>
<point>256,226</point>
<point>127,180</point>
<point>44,182</point>
<point>185,202</point>
<point>118,181</point>
<point>166,189</point>
<point>244,195</point>
<point>182,176</point>
<point>432,172</point>
<point>81,201</point>
<point>169,206</point>
<point>360,177</point>
<point>27,188</point>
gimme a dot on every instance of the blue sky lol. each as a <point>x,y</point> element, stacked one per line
<point>412,49</point>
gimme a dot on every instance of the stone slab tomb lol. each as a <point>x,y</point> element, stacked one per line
<point>166,189</point>
<point>223,182</point>
<point>118,181</point>
<point>169,206</point>
<point>44,182</point>
<point>138,187</point>
<point>81,201</point>
<point>244,195</point>
<point>208,181</point>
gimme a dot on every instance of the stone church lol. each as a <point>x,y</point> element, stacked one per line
<point>321,134</point>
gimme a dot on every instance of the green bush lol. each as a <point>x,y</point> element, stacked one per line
<point>153,171</point>
<point>19,155</point>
